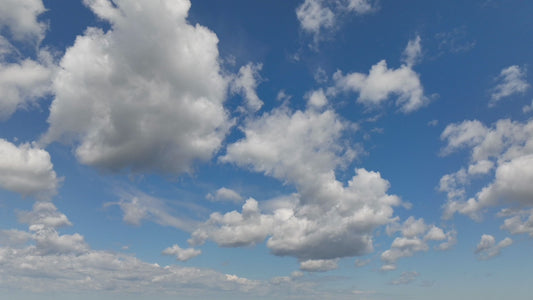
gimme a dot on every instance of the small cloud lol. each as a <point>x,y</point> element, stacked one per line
<point>405,278</point>
<point>433,123</point>
<point>182,254</point>
<point>487,247</point>
<point>225,195</point>
<point>512,80</point>
<point>319,265</point>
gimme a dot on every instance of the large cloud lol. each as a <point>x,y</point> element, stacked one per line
<point>326,219</point>
<point>146,95</point>
<point>27,170</point>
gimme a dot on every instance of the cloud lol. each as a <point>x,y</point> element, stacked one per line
<point>317,99</point>
<point>22,82</point>
<point>413,52</point>
<point>326,219</point>
<point>405,278</point>
<point>512,80</point>
<point>42,260</point>
<point>380,83</point>
<point>20,18</point>
<point>415,237</point>
<point>138,206</point>
<point>519,222</point>
<point>27,170</point>
<point>319,16</point>
<point>225,194</point>
<point>506,148</point>
<point>182,254</point>
<point>246,83</point>
<point>147,95</point>
<point>487,247</point>
<point>319,265</point>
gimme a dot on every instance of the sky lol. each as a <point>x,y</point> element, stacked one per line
<point>295,149</point>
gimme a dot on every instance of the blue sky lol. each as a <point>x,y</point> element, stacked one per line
<point>302,149</point>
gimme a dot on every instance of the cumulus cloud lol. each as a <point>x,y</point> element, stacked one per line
<point>147,95</point>
<point>182,254</point>
<point>22,81</point>
<point>380,83</point>
<point>20,18</point>
<point>326,219</point>
<point>225,194</point>
<point>415,237</point>
<point>517,222</point>
<point>512,80</point>
<point>487,247</point>
<point>504,151</point>
<point>413,52</point>
<point>245,83</point>
<point>43,260</point>
<point>27,170</point>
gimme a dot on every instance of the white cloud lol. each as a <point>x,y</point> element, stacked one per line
<point>381,82</point>
<point>147,95</point>
<point>413,52</point>
<point>319,265</point>
<point>405,278</point>
<point>182,254</point>
<point>138,206</point>
<point>487,247</point>
<point>506,148</point>
<point>527,108</point>
<point>246,83</point>
<point>319,16</point>
<point>415,236</point>
<point>519,222</point>
<point>326,219</point>
<point>27,170</point>
<point>44,214</point>
<point>225,194</point>
<point>317,99</point>
<point>512,80</point>
<point>20,17</point>
<point>23,82</point>
<point>314,16</point>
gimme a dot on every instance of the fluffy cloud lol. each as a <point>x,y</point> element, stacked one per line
<point>380,83</point>
<point>506,148</point>
<point>245,83</point>
<point>43,260</point>
<point>518,222</point>
<point>512,80</point>
<point>22,82</point>
<point>146,95</point>
<point>487,247</point>
<point>27,170</point>
<point>326,219</point>
<point>413,52</point>
<point>182,254</point>
<point>415,237</point>
<point>225,194</point>
<point>20,17</point>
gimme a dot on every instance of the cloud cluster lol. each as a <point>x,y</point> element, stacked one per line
<point>225,194</point>
<point>27,170</point>
<point>326,219</point>
<point>512,80</point>
<point>381,83</point>
<point>146,95</point>
<point>415,236</point>
<point>487,247</point>
<point>22,81</point>
<point>504,152</point>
